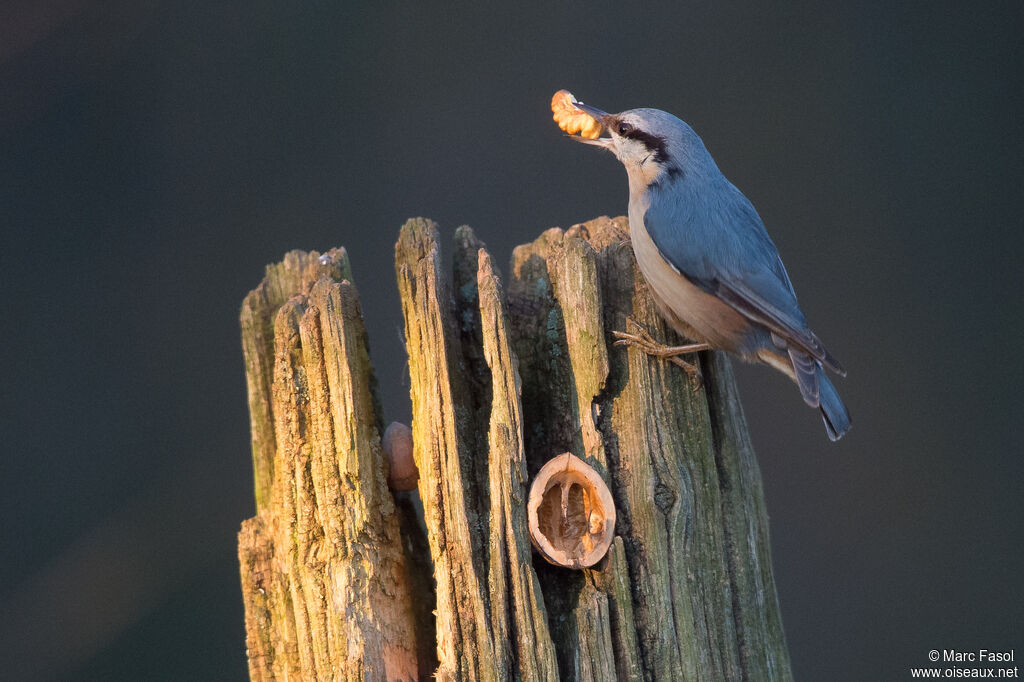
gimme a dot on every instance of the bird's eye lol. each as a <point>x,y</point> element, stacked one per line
<point>624,128</point>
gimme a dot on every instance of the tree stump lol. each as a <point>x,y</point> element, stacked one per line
<point>335,572</point>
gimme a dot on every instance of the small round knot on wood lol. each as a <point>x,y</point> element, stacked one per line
<point>570,512</point>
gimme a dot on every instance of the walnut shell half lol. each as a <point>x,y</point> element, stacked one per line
<point>402,473</point>
<point>570,513</point>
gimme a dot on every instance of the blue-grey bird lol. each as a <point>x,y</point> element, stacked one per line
<point>712,268</point>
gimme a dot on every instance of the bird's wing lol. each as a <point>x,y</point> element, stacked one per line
<point>720,245</point>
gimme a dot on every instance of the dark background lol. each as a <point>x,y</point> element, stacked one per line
<point>154,156</point>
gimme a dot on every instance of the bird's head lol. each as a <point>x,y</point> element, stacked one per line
<point>652,144</point>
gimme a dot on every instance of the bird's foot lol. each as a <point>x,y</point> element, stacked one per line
<point>644,341</point>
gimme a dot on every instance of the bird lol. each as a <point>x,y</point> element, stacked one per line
<point>713,271</point>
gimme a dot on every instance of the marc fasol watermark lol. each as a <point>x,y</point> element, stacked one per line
<point>977,663</point>
<point>978,656</point>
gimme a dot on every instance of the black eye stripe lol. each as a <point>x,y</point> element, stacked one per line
<point>654,144</point>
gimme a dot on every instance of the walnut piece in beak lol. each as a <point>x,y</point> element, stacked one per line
<point>573,120</point>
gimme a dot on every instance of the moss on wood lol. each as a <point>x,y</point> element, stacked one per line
<point>502,378</point>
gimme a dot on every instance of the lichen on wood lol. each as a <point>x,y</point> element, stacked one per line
<point>491,621</point>
<point>502,378</point>
<point>323,572</point>
<point>295,274</point>
<point>681,470</point>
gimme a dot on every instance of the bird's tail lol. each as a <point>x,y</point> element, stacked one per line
<point>833,411</point>
<point>815,388</point>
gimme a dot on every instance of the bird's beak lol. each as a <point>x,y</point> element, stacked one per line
<point>602,118</point>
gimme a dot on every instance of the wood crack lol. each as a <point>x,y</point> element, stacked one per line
<point>502,377</point>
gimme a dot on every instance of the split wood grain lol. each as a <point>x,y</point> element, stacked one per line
<point>324,577</point>
<point>502,378</point>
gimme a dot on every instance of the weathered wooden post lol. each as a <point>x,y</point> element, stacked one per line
<point>501,382</point>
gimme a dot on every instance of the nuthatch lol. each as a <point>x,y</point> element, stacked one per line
<point>713,270</point>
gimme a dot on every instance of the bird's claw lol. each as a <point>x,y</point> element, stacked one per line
<point>645,342</point>
<point>692,371</point>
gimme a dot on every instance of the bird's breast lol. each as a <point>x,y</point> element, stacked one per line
<point>686,307</point>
